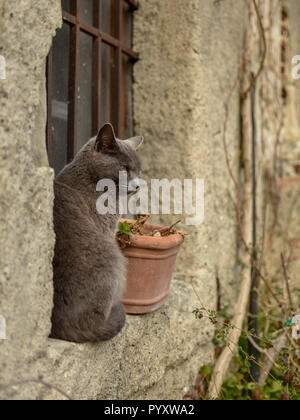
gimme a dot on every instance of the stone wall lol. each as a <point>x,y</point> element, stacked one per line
<point>189,57</point>
<point>190,52</point>
<point>293,8</point>
<point>287,240</point>
<point>26,193</point>
<point>292,151</point>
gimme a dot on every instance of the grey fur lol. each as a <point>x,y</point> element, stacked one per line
<point>89,268</point>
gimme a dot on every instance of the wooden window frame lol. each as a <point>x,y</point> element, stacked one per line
<point>118,42</point>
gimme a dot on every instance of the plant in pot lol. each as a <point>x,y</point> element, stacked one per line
<point>151,251</point>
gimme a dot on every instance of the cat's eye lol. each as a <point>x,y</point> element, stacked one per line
<point>123,168</point>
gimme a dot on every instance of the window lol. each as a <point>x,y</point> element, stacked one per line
<point>89,75</point>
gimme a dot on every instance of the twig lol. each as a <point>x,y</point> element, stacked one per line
<point>245,224</point>
<point>268,361</point>
<point>238,190</point>
<point>138,225</point>
<point>223,363</point>
<point>261,350</point>
<point>287,283</point>
<point>165,230</point>
<point>264,55</point>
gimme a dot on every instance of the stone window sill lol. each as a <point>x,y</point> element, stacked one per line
<point>153,354</point>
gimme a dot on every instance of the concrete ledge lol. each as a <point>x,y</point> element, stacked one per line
<point>157,356</point>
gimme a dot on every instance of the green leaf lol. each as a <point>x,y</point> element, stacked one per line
<point>124,229</point>
<point>206,370</point>
<point>275,387</point>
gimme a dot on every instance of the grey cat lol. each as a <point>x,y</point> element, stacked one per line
<point>89,268</point>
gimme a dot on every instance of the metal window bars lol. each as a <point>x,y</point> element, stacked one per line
<point>120,48</point>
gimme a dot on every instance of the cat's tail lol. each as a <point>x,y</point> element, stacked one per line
<point>93,328</point>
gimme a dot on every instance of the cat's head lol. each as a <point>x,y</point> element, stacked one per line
<point>110,156</point>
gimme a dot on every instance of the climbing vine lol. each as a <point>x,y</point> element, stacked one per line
<point>277,356</point>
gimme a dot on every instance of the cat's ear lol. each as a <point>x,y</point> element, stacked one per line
<point>106,141</point>
<point>135,142</point>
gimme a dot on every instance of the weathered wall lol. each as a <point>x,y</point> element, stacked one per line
<point>189,56</point>
<point>293,115</point>
<point>292,152</point>
<point>26,234</point>
<point>190,52</point>
<point>287,238</point>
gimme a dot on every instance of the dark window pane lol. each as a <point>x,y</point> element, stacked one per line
<point>107,68</point>
<point>127,25</point>
<point>60,97</point>
<point>86,10</point>
<point>115,98</point>
<point>85,89</point>
<point>108,25</point>
<point>128,105</point>
<point>66,5</point>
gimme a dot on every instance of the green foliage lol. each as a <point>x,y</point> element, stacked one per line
<point>124,229</point>
<point>239,385</point>
<point>198,314</point>
<point>283,382</point>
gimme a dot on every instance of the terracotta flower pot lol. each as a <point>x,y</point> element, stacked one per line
<point>151,263</point>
